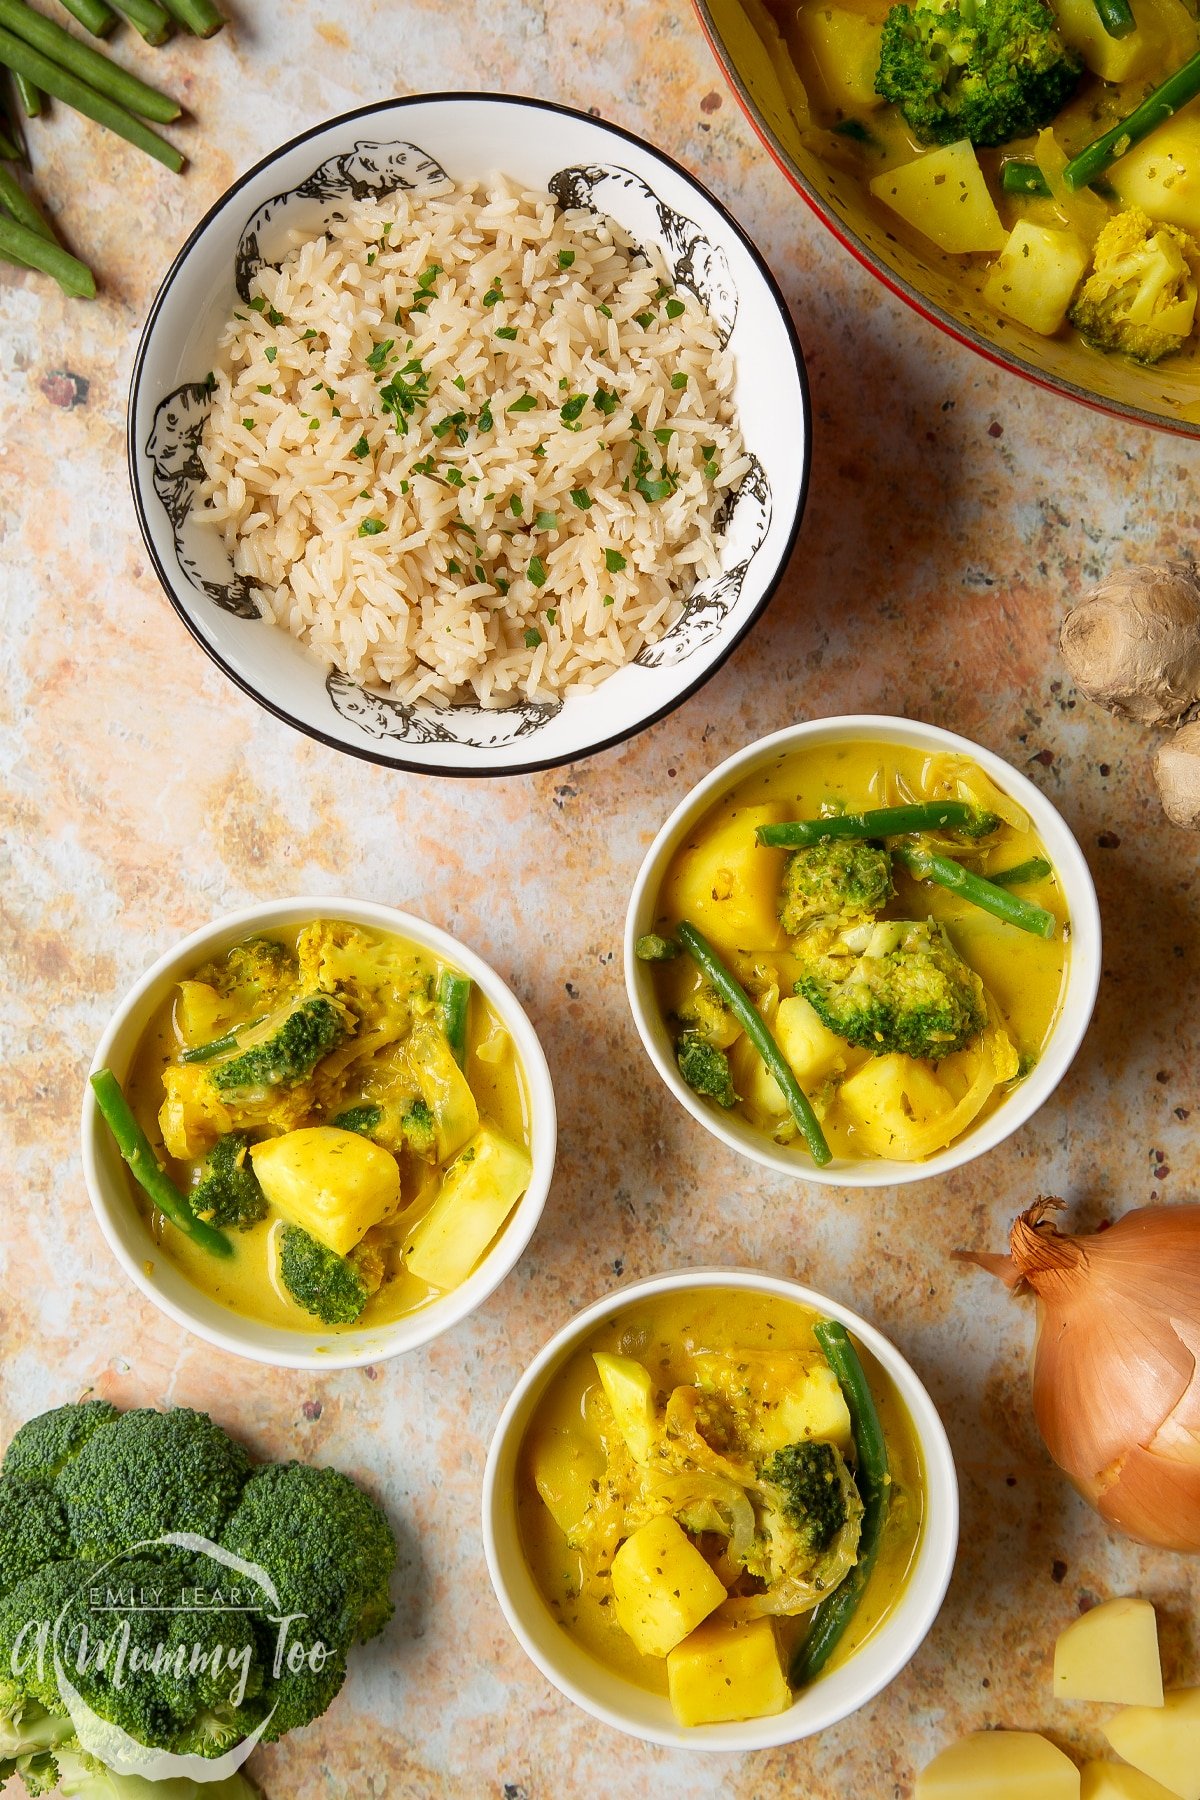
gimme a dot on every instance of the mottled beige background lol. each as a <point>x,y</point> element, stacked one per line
<point>954,512</point>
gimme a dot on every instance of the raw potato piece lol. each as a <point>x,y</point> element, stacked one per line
<point>728,884</point>
<point>478,1192</point>
<point>662,1587</point>
<point>333,1184</point>
<point>944,194</point>
<point>1113,1781</point>
<point>1162,1741</point>
<point>1110,1654</point>
<point>727,1671</point>
<point>630,1392</point>
<point>1000,1765</point>
<point>1036,274</point>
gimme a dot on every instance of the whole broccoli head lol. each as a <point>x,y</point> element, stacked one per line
<point>285,1049</point>
<point>899,986</point>
<point>228,1194</point>
<point>987,70</point>
<point>842,876</point>
<point>812,1495</point>
<point>335,1288</point>
<point>44,1445</point>
<point>150,1473</point>
<point>705,1069</point>
<point>33,1530</point>
<point>1140,297</point>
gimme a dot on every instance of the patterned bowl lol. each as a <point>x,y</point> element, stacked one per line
<point>415,143</point>
<point>748,46</point>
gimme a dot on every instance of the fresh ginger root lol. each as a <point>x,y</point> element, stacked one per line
<point>1133,643</point>
<point>1177,772</point>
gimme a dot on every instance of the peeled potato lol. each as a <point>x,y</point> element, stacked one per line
<point>1000,1765</point>
<point>1111,1653</point>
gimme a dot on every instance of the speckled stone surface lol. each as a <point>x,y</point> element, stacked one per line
<point>954,512</point>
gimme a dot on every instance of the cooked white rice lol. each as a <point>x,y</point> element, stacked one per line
<point>471,544</point>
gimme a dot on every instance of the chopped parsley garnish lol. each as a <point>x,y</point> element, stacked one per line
<point>675,308</point>
<point>259,304</point>
<point>481,574</point>
<point>663,434</point>
<point>453,567</point>
<point>404,487</point>
<point>310,333</point>
<point>265,388</point>
<point>361,449</point>
<point>454,477</point>
<point>494,295</point>
<point>614,562</point>
<point>426,466</point>
<point>546,521</point>
<point>710,470</point>
<point>270,353</point>
<point>644,319</point>
<point>533,638</point>
<point>679,379</point>
<point>539,450</point>
<point>508,332</point>
<point>485,421</point>
<point>572,409</point>
<point>426,281</point>
<point>537,571</point>
<point>370,528</point>
<point>249,424</point>
<point>370,257</point>
<point>525,403</point>
<point>551,614</point>
<point>655,490</point>
<point>605,402</point>
<point>403,393</point>
<point>581,498</point>
<point>502,585</point>
<point>708,450</point>
<point>314,424</point>
<point>380,353</point>
<point>636,422</point>
<point>606,311</point>
<point>275,318</point>
<point>460,384</point>
<point>608,600</point>
<point>565,258</point>
<point>515,507</point>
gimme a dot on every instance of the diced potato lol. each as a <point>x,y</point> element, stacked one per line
<point>1162,1741</point>
<point>662,1587</point>
<point>890,1100</point>
<point>727,1671</point>
<point>479,1190</point>
<point>200,1013</point>
<point>944,194</point>
<point>844,49</point>
<point>630,1392</point>
<point>1036,274</point>
<point>727,884</point>
<point>1000,1765</point>
<point>192,1116</point>
<point>445,1091</point>
<point>1110,1653</point>
<point>333,1184</point>
<point>811,1049</point>
<point>754,1082</point>
<point>787,1396</point>
<point>565,1464</point>
<point>1113,1781</point>
<point>1113,59</point>
<point>1162,175</point>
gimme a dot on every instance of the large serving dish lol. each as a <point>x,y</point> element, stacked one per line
<point>416,143</point>
<point>751,52</point>
<point>602,1689</point>
<point>164,1279</point>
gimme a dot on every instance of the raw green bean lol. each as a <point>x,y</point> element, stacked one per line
<point>200,16</point>
<point>755,1028</point>
<point>93,15</point>
<point>23,59</point>
<point>927,865</point>
<point>883,821</point>
<point>14,198</point>
<point>147,17</point>
<point>1155,109</point>
<point>28,95</point>
<point>138,1152</point>
<point>99,71</point>
<point>454,999</point>
<point>1036,869</point>
<point>832,1616</point>
<point>1116,16</point>
<point>27,246</point>
<point>1017,177</point>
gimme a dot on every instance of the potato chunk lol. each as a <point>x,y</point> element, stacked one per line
<point>727,1671</point>
<point>1036,274</point>
<point>844,49</point>
<point>890,1100</point>
<point>944,194</point>
<point>780,1396</point>
<point>1162,175</point>
<point>1162,1741</point>
<point>565,1465</point>
<point>630,1392</point>
<point>1111,1653</point>
<point>725,882</point>
<point>192,1116</point>
<point>810,1048</point>
<point>333,1184</point>
<point>1000,1765</point>
<point>479,1190</point>
<point>662,1587</point>
<point>1113,1781</point>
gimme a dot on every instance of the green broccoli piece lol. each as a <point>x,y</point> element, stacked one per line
<point>705,1013</point>
<point>335,1288</point>
<point>80,1777</point>
<point>33,1530</point>
<point>418,1129</point>
<point>705,1068</point>
<point>653,948</point>
<point>254,975</point>
<point>46,1444</point>
<point>228,1193</point>
<point>987,70</point>
<point>846,876</point>
<point>285,1049</point>
<point>364,1119</point>
<point>895,986</point>
<point>150,1473</point>
<point>1140,297</point>
<point>811,1494</point>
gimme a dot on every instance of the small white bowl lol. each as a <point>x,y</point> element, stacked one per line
<point>1075,1010</point>
<point>163,1282</point>
<point>609,1696</point>
<point>417,142</point>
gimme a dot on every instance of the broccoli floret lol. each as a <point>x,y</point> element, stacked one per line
<point>253,974</point>
<point>987,70</point>
<point>335,1288</point>
<point>1140,297</point>
<point>838,875</point>
<point>363,1119</point>
<point>705,1068</point>
<point>811,1495</point>
<point>229,1193</point>
<point>705,1014</point>
<point>150,1473</point>
<point>33,1530</point>
<point>418,1129</point>
<point>653,948</point>
<point>284,1051</point>
<point>44,1445</point>
<point>896,986</point>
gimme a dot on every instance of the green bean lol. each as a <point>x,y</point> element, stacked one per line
<point>454,999</point>
<point>9,150</point>
<point>25,245</point>
<point>28,95</point>
<point>883,821</point>
<point>138,1152</point>
<point>200,16</point>
<point>1036,869</point>
<point>926,865</point>
<point>23,59</point>
<point>832,1616</point>
<point>1017,177</point>
<point>147,17</point>
<point>203,1053</point>
<point>755,1028</point>
<point>103,75</point>
<point>14,198</point>
<point>93,15</point>
<point>1155,109</point>
<point>1116,16</point>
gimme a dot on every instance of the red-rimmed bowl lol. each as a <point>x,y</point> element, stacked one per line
<point>756,62</point>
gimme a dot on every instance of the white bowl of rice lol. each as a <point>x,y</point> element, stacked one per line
<point>469,434</point>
